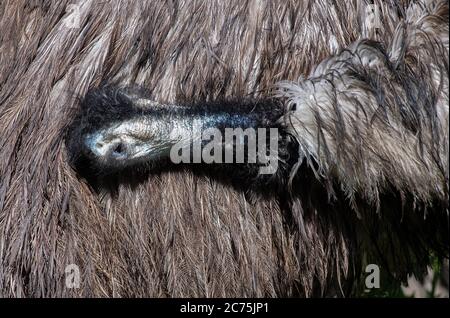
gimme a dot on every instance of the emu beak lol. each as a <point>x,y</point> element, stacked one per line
<point>118,145</point>
<point>126,143</point>
<point>115,149</point>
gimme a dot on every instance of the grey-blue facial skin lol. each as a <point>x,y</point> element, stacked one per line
<point>149,136</point>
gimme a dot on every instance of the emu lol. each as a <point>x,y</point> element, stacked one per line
<point>360,105</point>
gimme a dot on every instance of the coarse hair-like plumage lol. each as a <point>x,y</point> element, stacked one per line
<point>367,104</point>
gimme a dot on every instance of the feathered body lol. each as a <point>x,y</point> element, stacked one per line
<point>367,104</point>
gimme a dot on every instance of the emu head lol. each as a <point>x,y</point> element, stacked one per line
<point>120,128</point>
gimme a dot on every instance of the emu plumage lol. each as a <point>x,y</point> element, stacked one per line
<point>366,102</point>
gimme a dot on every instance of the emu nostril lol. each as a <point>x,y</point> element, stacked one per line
<point>119,149</point>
